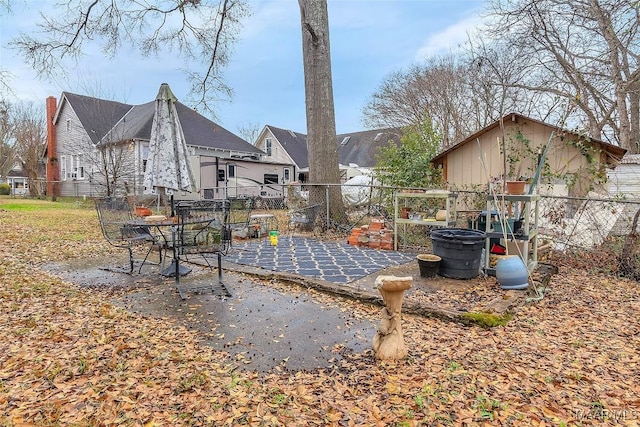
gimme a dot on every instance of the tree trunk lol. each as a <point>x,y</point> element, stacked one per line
<point>321,123</point>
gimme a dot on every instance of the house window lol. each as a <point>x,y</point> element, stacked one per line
<point>145,157</point>
<point>77,167</point>
<point>231,171</point>
<point>221,175</point>
<point>287,174</point>
<point>270,178</point>
<point>63,168</point>
<point>268,147</point>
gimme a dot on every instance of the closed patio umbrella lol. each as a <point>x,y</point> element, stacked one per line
<point>168,168</point>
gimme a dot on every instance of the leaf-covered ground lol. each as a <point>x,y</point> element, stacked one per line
<point>69,357</point>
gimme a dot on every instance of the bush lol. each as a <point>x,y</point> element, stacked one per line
<point>5,189</point>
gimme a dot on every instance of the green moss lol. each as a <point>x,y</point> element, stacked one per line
<point>488,320</point>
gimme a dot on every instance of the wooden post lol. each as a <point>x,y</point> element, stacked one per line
<point>388,342</point>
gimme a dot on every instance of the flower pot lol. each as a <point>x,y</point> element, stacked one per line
<point>511,273</point>
<point>142,211</point>
<point>428,264</point>
<point>515,187</point>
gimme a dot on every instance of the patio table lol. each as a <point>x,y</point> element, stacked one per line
<point>172,230</point>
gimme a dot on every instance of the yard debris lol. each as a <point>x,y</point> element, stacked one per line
<point>70,357</point>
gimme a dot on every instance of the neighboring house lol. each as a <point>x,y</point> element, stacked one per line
<point>356,150</point>
<point>624,180</point>
<point>18,180</point>
<point>97,147</point>
<point>575,160</point>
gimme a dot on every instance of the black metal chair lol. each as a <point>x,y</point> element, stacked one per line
<point>204,230</point>
<point>115,218</point>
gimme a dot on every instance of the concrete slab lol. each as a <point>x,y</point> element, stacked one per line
<point>263,328</point>
<point>259,327</point>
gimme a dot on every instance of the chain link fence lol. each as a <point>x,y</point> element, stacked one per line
<point>601,232</point>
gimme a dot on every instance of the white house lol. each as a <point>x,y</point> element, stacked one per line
<point>356,150</point>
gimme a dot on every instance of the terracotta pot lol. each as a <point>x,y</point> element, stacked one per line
<point>142,211</point>
<point>515,187</point>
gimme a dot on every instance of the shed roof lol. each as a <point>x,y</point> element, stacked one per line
<point>614,152</point>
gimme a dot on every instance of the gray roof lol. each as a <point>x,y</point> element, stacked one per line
<point>358,147</point>
<point>361,148</point>
<point>294,143</point>
<point>97,116</point>
<point>116,122</point>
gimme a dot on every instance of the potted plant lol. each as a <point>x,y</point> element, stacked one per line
<point>518,155</point>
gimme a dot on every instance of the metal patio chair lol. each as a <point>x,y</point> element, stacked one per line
<point>203,230</point>
<point>115,218</point>
<point>304,219</point>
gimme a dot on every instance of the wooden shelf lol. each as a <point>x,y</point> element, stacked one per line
<point>407,199</point>
<point>526,206</point>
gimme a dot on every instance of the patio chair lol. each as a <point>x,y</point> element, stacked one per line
<point>204,230</point>
<point>304,219</point>
<point>115,218</point>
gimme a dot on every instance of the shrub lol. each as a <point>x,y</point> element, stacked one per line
<point>5,189</point>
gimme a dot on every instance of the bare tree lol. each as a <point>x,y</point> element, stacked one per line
<point>30,140</point>
<point>113,171</point>
<point>201,31</point>
<point>7,149</point>
<point>321,122</point>
<point>436,91</point>
<point>250,132</point>
<point>460,93</point>
<point>585,52</point>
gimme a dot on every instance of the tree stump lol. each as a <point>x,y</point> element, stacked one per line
<point>388,342</point>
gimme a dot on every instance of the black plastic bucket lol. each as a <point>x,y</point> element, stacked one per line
<point>460,250</point>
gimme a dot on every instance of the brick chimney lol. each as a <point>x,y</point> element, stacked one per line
<point>53,168</point>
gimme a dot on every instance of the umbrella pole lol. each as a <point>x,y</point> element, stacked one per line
<point>175,251</point>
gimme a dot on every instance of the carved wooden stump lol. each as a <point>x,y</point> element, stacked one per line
<point>388,342</point>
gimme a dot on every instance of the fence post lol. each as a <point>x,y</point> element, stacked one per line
<point>326,198</point>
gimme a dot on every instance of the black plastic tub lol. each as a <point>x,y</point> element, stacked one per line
<point>460,250</point>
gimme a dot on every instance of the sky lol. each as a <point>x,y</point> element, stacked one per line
<point>369,39</point>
